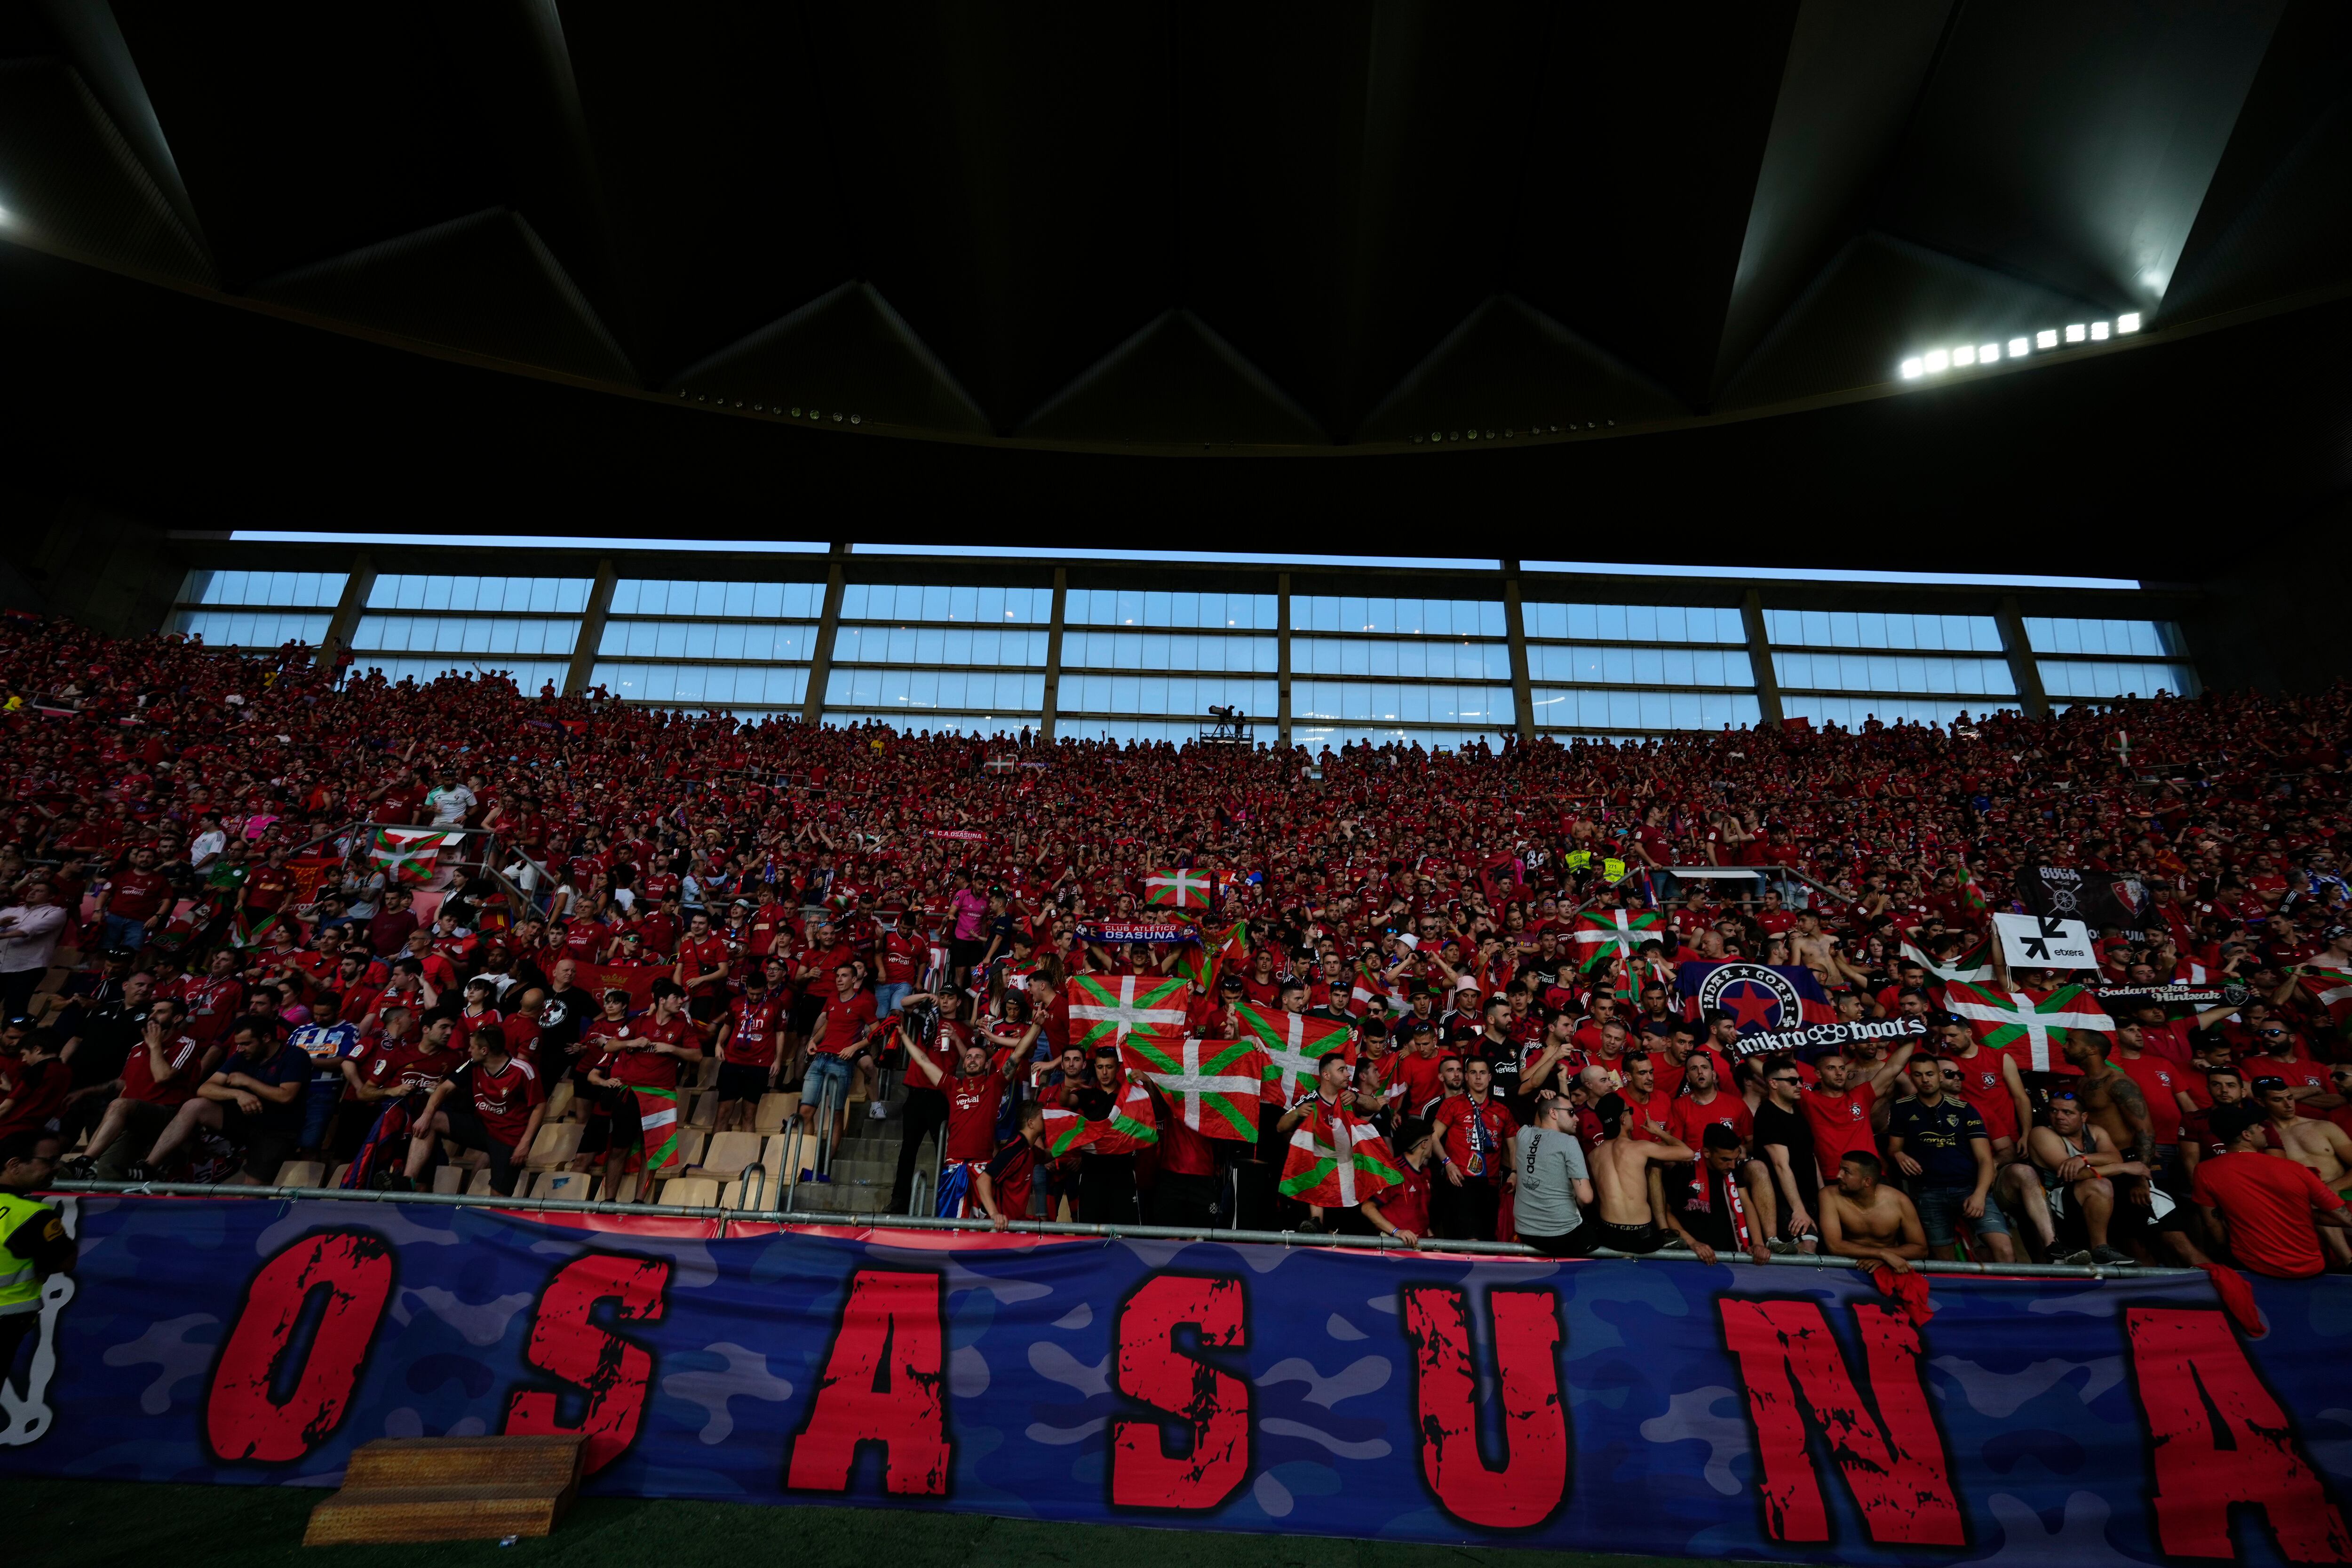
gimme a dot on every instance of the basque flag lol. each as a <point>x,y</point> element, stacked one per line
<point>1761,997</point>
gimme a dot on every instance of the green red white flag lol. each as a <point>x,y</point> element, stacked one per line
<point>1337,1160</point>
<point>1214,1086</point>
<point>1973,965</point>
<point>1109,1009</point>
<point>1601,934</point>
<point>407,854</point>
<point>1176,888</point>
<point>1293,1043</point>
<point>2331,990</point>
<point>1131,1125</point>
<point>2027,1021</point>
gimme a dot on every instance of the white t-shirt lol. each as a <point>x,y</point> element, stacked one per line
<point>449,805</point>
<point>30,937</point>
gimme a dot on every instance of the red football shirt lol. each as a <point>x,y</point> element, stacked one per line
<point>2269,1204</point>
<point>1840,1123</point>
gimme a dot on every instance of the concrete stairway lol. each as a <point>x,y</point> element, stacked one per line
<point>862,1168</point>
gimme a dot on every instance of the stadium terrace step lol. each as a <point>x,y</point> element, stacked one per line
<point>451,1489</point>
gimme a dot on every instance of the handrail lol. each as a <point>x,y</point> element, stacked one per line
<point>1382,1244</point>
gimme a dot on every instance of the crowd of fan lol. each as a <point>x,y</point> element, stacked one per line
<point>830,908</point>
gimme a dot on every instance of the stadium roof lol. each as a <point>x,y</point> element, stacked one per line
<point>1553,269</point>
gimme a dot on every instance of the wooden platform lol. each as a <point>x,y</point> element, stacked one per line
<point>450,1488</point>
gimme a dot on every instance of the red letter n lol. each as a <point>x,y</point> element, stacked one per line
<point>1533,1482</point>
<point>1894,1463</point>
<point>882,1383</point>
<point>2221,1441</point>
<point>612,1371</point>
<point>1214,1405</point>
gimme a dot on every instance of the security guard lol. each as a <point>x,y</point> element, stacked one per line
<point>32,1243</point>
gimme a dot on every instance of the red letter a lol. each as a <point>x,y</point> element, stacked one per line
<point>613,1372</point>
<point>2220,1440</point>
<point>1793,1369</point>
<point>1214,1405</point>
<point>882,1383</point>
<point>1533,1482</point>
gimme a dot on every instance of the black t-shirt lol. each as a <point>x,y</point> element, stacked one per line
<point>563,1015</point>
<point>1503,1056</point>
<point>108,1033</point>
<point>1774,1125</point>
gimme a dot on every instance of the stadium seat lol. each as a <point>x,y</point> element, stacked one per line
<point>773,1111</point>
<point>556,1144</point>
<point>335,1177</point>
<point>448,1179</point>
<point>749,1191</point>
<point>301,1173</point>
<point>626,1191</point>
<point>729,1153</point>
<point>575,1184</point>
<point>479,1187</point>
<point>560,1101</point>
<point>706,1075</point>
<point>689,1192</point>
<point>706,1112</point>
<point>690,1146</point>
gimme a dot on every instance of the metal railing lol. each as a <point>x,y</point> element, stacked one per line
<point>789,1216</point>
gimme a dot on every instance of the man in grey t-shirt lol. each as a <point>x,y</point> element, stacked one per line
<point>1554,1187</point>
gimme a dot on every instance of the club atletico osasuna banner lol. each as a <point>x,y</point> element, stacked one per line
<point>1775,1412</point>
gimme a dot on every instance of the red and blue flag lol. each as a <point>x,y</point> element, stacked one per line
<point>1761,997</point>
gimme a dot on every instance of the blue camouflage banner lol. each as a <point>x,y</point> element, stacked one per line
<point>1777,1411</point>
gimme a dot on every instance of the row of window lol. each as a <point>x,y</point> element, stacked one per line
<point>973,691</point>
<point>461,634</point>
<point>515,595</point>
<point>939,644</point>
<point>1640,666</point>
<point>1411,640</point>
<point>1848,629</point>
<point>1893,673</point>
<point>2097,679</point>
<point>2125,639</point>
<point>1179,696</point>
<point>1432,659</point>
<point>318,589</point>
<point>1342,702</point>
<point>1170,650</point>
<point>769,641</point>
<point>1633,623</point>
<point>768,601</point>
<point>1852,711</point>
<point>704,685</point>
<point>1585,708</point>
<point>252,628</point>
<point>530,676</point>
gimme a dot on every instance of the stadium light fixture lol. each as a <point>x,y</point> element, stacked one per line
<point>1964,356</point>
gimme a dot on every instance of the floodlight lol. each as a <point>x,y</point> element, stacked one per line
<point>2019,348</point>
<point>2098,331</point>
<point>2075,333</point>
<point>2128,321</point>
<point>1911,368</point>
<point>2045,338</point>
<point>1935,360</point>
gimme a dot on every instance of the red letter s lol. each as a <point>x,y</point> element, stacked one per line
<point>613,1371</point>
<point>244,1416</point>
<point>1533,1483</point>
<point>1214,1405</point>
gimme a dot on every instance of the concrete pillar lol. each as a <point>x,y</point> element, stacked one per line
<point>1054,657</point>
<point>820,656</point>
<point>345,626</point>
<point>1759,658</point>
<point>2022,669</point>
<point>581,676</point>
<point>1282,659</point>
<point>1523,696</point>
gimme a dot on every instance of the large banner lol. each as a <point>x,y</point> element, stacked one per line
<point>1776,1411</point>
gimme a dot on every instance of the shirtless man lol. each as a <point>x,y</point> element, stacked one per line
<point>2116,1107</point>
<point>1863,1220</point>
<point>1623,1220</point>
<point>2313,1141</point>
<point>2077,1164</point>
